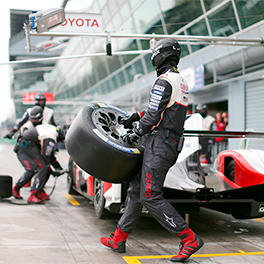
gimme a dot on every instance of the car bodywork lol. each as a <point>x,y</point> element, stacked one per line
<point>243,162</point>
<point>234,184</point>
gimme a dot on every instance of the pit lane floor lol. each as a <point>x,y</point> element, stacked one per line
<point>66,230</point>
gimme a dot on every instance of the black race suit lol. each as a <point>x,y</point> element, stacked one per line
<point>36,156</point>
<point>162,127</point>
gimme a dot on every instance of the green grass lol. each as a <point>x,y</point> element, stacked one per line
<point>8,141</point>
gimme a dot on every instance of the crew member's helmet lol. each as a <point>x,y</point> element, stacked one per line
<point>40,100</point>
<point>36,115</point>
<point>202,109</point>
<point>164,49</point>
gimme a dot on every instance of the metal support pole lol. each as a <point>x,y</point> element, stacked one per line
<point>187,218</point>
<point>108,45</point>
<point>208,39</point>
<point>27,34</point>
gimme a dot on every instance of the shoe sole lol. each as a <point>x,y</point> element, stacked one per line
<point>200,244</point>
<point>18,198</point>
<point>120,249</point>
<point>36,202</point>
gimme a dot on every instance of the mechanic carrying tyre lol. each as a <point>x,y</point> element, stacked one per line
<point>162,127</point>
<point>35,150</point>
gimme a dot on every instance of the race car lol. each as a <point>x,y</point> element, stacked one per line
<point>240,168</point>
<point>234,185</point>
<point>105,196</point>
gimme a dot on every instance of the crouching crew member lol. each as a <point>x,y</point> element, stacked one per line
<point>36,152</point>
<point>48,116</point>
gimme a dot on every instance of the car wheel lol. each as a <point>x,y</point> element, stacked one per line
<point>94,141</point>
<point>6,183</point>
<point>99,200</point>
<point>70,181</point>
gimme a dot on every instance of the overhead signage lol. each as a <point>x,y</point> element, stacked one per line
<point>80,23</point>
<point>29,98</point>
<point>194,76</point>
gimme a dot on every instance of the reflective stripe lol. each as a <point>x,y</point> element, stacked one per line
<point>27,164</point>
<point>39,164</point>
<point>161,116</point>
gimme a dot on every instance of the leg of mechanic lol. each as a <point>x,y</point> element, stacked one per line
<point>209,151</point>
<point>40,180</point>
<point>38,184</point>
<point>160,154</point>
<point>117,240</point>
<point>29,166</point>
<point>42,194</point>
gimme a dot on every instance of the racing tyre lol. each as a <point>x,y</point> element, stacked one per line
<point>99,200</point>
<point>70,181</point>
<point>6,183</point>
<point>94,141</point>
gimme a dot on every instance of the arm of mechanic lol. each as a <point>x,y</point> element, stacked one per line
<point>55,164</point>
<point>52,121</point>
<point>20,123</point>
<point>129,120</point>
<point>48,147</point>
<point>159,99</point>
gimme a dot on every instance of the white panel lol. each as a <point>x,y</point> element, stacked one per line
<point>255,111</point>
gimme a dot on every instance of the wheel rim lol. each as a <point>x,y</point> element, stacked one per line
<point>69,182</point>
<point>106,120</point>
<point>98,194</point>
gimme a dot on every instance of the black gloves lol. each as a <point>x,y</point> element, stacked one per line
<point>57,173</point>
<point>10,134</point>
<point>130,138</point>
<point>128,121</point>
<point>55,164</point>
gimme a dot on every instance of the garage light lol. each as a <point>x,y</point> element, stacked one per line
<point>44,20</point>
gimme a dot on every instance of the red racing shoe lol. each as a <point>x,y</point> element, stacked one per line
<point>116,241</point>
<point>34,199</point>
<point>15,192</point>
<point>190,243</point>
<point>28,184</point>
<point>42,195</point>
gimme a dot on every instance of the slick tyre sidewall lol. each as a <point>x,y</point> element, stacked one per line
<point>97,155</point>
<point>6,183</point>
